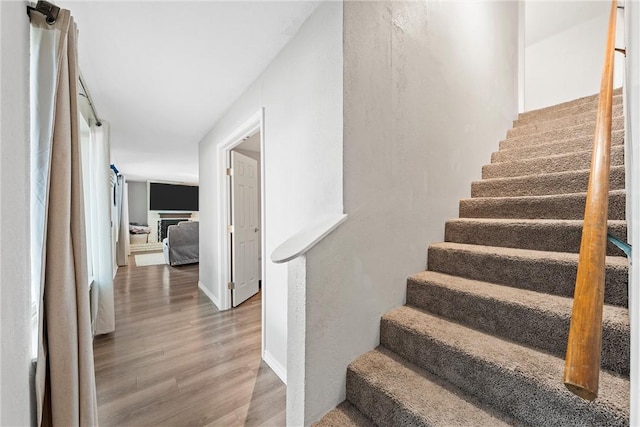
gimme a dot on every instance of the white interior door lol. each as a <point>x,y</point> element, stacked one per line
<point>244,240</point>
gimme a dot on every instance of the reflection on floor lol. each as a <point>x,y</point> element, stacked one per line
<point>176,360</point>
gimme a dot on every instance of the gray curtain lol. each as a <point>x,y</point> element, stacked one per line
<point>65,379</point>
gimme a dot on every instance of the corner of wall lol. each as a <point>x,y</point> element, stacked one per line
<point>17,399</point>
<point>632,154</point>
<point>209,294</point>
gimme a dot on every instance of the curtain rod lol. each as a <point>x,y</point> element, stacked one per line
<point>49,10</point>
<point>89,100</point>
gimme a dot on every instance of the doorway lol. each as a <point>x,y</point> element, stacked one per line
<point>244,211</point>
<point>251,133</point>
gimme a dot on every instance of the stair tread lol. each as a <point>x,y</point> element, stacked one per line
<point>579,117</point>
<point>539,175</point>
<point>547,196</point>
<point>579,120</point>
<point>513,360</point>
<point>529,317</point>
<point>540,184</point>
<point>524,221</point>
<point>345,415</point>
<point>542,271</point>
<point>558,156</point>
<point>560,206</point>
<point>563,162</point>
<point>561,257</point>
<point>566,131</point>
<point>555,235</point>
<point>615,316</point>
<point>593,99</point>
<point>429,399</point>
<point>617,138</point>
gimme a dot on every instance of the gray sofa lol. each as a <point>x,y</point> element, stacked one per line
<point>182,243</point>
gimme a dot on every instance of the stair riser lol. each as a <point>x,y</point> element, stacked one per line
<point>544,185</point>
<point>563,110</point>
<point>565,138</point>
<point>570,206</point>
<point>523,324</point>
<point>378,406</point>
<point>541,275</point>
<point>509,151</point>
<point>557,123</point>
<point>553,164</point>
<point>563,133</point>
<point>539,237</point>
<point>503,387</point>
<point>569,144</point>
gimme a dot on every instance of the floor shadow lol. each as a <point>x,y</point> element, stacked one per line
<point>268,400</point>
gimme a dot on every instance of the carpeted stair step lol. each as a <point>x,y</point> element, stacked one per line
<point>556,123</point>
<point>587,129</point>
<point>570,108</point>
<point>345,415</point>
<point>392,392</point>
<point>509,151</point>
<point>544,184</point>
<point>548,272</point>
<point>556,163</point>
<point>561,206</point>
<point>556,235</point>
<point>514,379</point>
<point>568,145</point>
<point>532,318</point>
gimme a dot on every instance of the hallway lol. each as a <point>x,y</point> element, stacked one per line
<point>176,360</point>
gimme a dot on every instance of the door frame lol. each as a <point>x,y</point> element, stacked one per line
<point>252,125</point>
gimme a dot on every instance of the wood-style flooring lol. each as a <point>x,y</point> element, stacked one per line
<point>175,360</point>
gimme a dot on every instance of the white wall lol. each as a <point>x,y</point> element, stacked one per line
<point>137,202</point>
<point>16,398</point>
<point>567,63</point>
<point>430,89</point>
<point>632,132</point>
<point>301,92</point>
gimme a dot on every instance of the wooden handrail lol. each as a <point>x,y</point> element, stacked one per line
<point>582,363</point>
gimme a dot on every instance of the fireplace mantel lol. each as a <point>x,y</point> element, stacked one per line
<point>174,215</point>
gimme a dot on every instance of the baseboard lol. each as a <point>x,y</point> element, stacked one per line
<point>209,295</point>
<point>275,366</point>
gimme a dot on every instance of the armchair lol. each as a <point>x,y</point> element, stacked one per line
<point>181,246</point>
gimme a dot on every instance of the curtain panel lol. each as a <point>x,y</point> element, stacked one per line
<point>103,304</point>
<point>65,379</point>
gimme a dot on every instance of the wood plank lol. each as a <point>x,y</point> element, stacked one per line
<point>175,359</point>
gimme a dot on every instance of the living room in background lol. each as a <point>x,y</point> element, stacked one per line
<point>168,204</point>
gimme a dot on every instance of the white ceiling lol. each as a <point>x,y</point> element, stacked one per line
<point>546,18</point>
<point>162,73</point>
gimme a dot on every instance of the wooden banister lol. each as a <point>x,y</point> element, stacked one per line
<point>582,363</point>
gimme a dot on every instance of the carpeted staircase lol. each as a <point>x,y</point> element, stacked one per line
<point>482,337</point>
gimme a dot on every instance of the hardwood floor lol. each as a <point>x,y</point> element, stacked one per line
<point>175,360</point>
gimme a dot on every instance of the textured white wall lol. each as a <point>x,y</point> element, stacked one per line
<point>430,89</point>
<point>15,293</point>
<point>632,132</point>
<point>301,92</point>
<point>568,63</point>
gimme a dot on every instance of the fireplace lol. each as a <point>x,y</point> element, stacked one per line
<point>164,224</point>
<point>169,219</point>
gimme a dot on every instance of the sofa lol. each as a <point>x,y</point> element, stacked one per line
<point>181,246</point>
